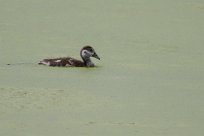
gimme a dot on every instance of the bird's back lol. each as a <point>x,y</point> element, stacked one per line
<point>62,62</point>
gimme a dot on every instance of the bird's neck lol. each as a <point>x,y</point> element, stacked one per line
<point>88,62</point>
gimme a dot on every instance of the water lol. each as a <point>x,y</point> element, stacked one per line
<point>149,80</point>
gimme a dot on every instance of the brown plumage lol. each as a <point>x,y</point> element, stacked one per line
<point>85,53</point>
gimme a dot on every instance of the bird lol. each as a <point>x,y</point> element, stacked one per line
<point>86,53</point>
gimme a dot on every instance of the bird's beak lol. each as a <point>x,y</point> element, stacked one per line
<point>96,56</point>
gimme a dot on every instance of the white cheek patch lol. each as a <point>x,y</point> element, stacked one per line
<point>58,61</point>
<point>84,53</point>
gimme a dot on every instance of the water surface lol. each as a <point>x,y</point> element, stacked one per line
<point>149,80</point>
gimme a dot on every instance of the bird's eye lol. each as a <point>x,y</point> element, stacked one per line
<point>91,50</point>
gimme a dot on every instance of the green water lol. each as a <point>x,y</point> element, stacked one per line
<point>149,81</point>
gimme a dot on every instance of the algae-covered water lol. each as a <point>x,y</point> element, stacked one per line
<point>149,81</point>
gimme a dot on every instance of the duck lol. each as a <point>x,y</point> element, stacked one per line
<point>86,53</point>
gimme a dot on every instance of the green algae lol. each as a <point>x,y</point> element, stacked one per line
<point>149,80</point>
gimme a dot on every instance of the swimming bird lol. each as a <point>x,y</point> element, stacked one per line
<point>86,53</point>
